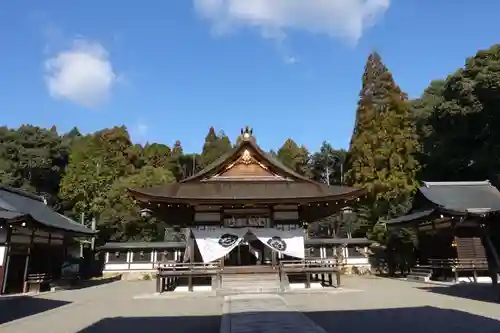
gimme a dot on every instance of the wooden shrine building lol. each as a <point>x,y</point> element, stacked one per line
<point>245,209</point>
<point>33,240</point>
<point>458,228</point>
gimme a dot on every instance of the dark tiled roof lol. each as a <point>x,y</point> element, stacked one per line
<point>236,190</point>
<point>454,198</point>
<point>15,203</point>
<point>463,197</point>
<point>292,187</point>
<point>141,245</point>
<point>9,215</point>
<point>416,216</point>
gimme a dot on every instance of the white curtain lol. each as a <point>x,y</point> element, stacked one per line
<point>216,243</point>
<point>290,243</point>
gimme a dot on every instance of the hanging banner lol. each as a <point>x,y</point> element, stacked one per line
<point>290,242</point>
<point>216,243</point>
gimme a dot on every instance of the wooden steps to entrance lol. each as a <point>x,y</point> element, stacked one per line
<point>241,283</point>
<point>254,269</point>
<point>420,273</point>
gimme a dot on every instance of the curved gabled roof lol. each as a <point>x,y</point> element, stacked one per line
<point>272,162</point>
<point>463,197</point>
<point>453,198</point>
<point>243,191</point>
<point>268,181</point>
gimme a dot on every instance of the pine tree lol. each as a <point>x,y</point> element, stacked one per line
<point>214,147</point>
<point>294,156</point>
<point>382,154</point>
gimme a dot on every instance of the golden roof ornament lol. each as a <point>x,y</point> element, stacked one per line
<point>246,133</point>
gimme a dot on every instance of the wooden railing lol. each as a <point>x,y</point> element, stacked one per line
<point>322,267</point>
<point>474,264</point>
<point>36,281</point>
<point>168,272</point>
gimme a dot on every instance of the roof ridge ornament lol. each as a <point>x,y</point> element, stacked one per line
<point>247,133</point>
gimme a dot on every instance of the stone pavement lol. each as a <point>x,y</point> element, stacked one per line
<point>263,313</point>
<point>365,304</point>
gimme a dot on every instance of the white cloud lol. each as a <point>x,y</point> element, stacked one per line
<point>142,128</point>
<point>82,74</point>
<point>346,19</point>
<point>290,60</point>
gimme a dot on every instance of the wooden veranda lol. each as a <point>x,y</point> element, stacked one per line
<point>169,273</point>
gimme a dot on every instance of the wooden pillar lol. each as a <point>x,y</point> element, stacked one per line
<point>158,282</point>
<point>26,264</point>
<point>191,247</point>
<point>190,282</point>
<point>218,278</point>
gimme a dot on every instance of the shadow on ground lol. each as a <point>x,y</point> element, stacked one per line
<point>17,307</point>
<point>409,320</point>
<point>82,284</point>
<point>477,292</point>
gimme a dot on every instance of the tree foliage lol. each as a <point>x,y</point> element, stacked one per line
<point>295,157</point>
<point>384,145</point>
<point>459,117</point>
<point>215,146</point>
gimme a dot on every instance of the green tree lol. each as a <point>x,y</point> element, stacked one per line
<point>32,158</point>
<point>9,148</point>
<point>120,217</point>
<point>460,118</point>
<point>158,155</point>
<point>214,147</point>
<point>95,162</point>
<point>294,157</point>
<point>382,154</point>
<point>327,165</point>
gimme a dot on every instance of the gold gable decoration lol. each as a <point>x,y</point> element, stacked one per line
<point>246,158</point>
<point>246,166</point>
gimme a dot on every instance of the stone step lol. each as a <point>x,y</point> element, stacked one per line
<point>419,278</point>
<point>249,283</point>
<point>421,273</point>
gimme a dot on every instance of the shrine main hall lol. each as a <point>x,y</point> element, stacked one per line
<point>244,209</point>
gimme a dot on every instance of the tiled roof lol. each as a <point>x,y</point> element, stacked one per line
<point>15,203</point>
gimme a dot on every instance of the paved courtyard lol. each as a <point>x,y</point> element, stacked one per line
<point>364,305</point>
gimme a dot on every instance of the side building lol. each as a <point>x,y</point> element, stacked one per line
<point>33,241</point>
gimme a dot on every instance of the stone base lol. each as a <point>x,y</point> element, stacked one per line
<point>137,276</point>
<point>357,270</point>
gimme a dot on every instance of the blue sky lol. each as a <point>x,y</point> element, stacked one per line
<point>169,70</point>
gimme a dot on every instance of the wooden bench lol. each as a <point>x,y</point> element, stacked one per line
<point>37,282</point>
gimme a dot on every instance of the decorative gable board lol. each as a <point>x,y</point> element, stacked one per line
<point>246,166</point>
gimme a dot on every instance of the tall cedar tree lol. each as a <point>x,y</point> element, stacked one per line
<point>214,147</point>
<point>384,143</point>
<point>294,157</point>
